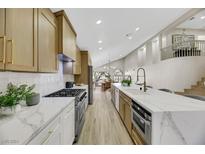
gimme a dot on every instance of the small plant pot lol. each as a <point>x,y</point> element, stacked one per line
<point>33,100</point>
<point>7,111</point>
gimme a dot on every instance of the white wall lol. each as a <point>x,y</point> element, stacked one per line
<point>45,82</point>
<point>175,74</point>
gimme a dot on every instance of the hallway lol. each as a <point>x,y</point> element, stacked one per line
<point>103,124</point>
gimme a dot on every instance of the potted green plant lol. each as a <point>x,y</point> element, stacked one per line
<point>126,82</point>
<point>9,101</point>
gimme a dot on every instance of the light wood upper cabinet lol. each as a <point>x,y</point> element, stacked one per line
<point>2,38</point>
<point>47,41</point>
<point>77,63</point>
<point>66,36</point>
<point>21,34</point>
<point>83,77</point>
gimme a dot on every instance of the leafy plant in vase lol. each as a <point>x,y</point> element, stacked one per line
<point>9,101</point>
<point>126,82</point>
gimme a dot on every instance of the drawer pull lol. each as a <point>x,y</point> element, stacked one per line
<point>50,132</point>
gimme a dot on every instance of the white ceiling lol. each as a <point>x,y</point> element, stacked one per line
<point>195,22</point>
<point>116,23</point>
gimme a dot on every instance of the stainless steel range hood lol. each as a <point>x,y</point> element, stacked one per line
<point>65,58</point>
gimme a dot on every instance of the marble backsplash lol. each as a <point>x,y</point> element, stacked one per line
<point>45,82</point>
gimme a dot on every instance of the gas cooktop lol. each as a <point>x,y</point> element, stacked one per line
<point>66,93</point>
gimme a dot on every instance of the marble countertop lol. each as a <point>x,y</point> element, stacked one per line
<point>158,101</point>
<point>175,119</point>
<point>81,87</point>
<point>26,124</point>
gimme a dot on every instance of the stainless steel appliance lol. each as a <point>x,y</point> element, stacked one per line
<point>69,84</point>
<point>80,102</point>
<point>142,121</point>
<point>90,85</point>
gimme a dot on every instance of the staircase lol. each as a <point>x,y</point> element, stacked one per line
<point>198,89</point>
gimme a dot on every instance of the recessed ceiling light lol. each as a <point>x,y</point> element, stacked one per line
<point>202,17</point>
<point>120,55</point>
<point>98,22</point>
<point>100,48</point>
<point>99,41</point>
<point>136,29</point>
<point>129,36</point>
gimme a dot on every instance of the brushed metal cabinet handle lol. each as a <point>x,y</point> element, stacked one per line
<point>4,49</point>
<point>12,42</point>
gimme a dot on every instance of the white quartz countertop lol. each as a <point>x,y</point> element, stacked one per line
<point>81,87</point>
<point>26,124</point>
<point>158,101</point>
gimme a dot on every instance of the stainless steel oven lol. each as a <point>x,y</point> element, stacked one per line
<point>142,121</point>
<point>80,114</point>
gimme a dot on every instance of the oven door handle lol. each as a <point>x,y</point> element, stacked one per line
<point>142,120</point>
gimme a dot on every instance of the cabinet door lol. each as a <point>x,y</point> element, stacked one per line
<point>2,38</point>
<point>117,99</point>
<point>127,117</point>
<point>47,45</point>
<point>52,134</point>
<point>54,137</point>
<point>77,63</point>
<point>21,39</point>
<point>69,40</point>
<point>69,126</point>
<point>121,108</point>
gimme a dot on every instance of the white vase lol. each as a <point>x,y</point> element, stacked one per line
<point>10,110</point>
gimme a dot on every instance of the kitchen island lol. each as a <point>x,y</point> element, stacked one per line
<point>40,124</point>
<point>175,119</point>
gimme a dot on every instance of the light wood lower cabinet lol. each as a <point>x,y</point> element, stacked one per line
<point>136,137</point>
<point>47,41</point>
<point>125,111</point>
<point>59,131</point>
<point>126,115</point>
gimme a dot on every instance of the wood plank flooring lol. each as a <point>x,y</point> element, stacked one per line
<point>103,124</point>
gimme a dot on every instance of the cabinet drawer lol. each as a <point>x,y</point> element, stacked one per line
<point>69,108</point>
<point>44,135</point>
<point>68,126</point>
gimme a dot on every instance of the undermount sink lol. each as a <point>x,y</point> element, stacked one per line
<point>137,92</point>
